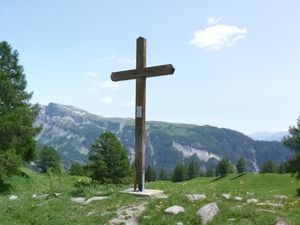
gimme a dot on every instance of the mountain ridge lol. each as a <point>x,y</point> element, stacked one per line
<point>72,131</point>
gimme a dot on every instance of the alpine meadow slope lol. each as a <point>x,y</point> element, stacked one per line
<point>72,131</point>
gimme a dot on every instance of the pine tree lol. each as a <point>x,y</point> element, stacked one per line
<point>224,168</point>
<point>108,160</point>
<point>16,114</point>
<point>179,173</point>
<point>268,167</point>
<point>241,165</point>
<point>150,174</point>
<point>163,175</point>
<point>193,169</point>
<point>48,158</point>
<point>77,169</point>
<point>292,141</point>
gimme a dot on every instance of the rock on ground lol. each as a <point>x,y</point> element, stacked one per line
<point>128,215</point>
<point>175,209</point>
<point>13,197</point>
<point>96,198</point>
<point>252,200</point>
<point>238,198</point>
<point>79,200</point>
<point>195,197</point>
<point>283,197</point>
<point>227,196</point>
<point>208,212</point>
<point>281,221</point>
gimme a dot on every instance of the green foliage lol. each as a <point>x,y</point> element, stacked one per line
<point>268,167</point>
<point>108,160</point>
<point>210,172</point>
<point>150,174</point>
<point>241,165</point>
<point>224,168</point>
<point>292,141</point>
<point>163,175</point>
<point>179,173</point>
<point>54,182</point>
<point>48,158</point>
<point>193,169</point>
<point>78,169</point>
<point>16,114</point>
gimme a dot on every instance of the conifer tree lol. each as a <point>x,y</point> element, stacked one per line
<point>292,141</point>
<point>108,160</point>
<point>241,165</point>
<point>224,168</point>
<point>17,115</point>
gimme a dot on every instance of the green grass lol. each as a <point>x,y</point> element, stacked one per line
<point>28,211</point>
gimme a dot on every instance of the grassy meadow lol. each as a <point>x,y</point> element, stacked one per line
<point>26,210</point>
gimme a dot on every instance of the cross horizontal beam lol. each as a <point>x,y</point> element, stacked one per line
<point>153,71</point>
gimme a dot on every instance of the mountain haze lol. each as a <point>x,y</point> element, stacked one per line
<point>72,131</point>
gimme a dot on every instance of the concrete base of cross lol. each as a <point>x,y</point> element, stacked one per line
<point>146,192</point>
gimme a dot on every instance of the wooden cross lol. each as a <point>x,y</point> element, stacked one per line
<point>140,74</point>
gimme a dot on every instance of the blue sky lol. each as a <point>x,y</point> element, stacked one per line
<point>237,62</point>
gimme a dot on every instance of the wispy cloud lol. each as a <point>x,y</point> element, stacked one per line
<point>101,84</point>
<point>213,20</point>
<point>119,59</point>
<point>215,37</point>
<point>106,100</point>
<point>92,74</point>
<point>107,84</point>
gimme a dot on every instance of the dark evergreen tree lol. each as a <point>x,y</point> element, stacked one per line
<point>241,165</point>
<point>268,167</point>
<point>224,168</point>
<point>77,169</point>
<point>16,114</point>
<point>210,171</point>
<point>163,175</point>
<point>179,173</point>
<point>193,169</point>
<point>150,174</point>
<point>48,158</point>
<point>108,160</point>
<point>292,141</point>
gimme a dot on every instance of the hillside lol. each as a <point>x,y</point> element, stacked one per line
<point>72,131</point>
<point>31,208</point>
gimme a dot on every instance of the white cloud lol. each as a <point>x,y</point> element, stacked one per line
<point>218,36</point>
<point>92,74</point>
<point>213,20</point>
<point>107,84</point>
<point>106,100</point>
<point>119,59</point>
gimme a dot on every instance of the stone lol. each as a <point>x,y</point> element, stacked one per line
<point>179,223</point>
<point>195,197</point>
<point>128,215</point>
<point>281,221</point>
<point>252,200</point>
<point>78,200</point>
<point>175,209</point>
<point>208,212</point>
<point>282,197</point>
<point>226,196</point>
<point>44,196</point>
<point>238,198</point>
<point>13,197</point>
<point>271,204</point>
<point>231,219</point>
<point>96,198</point>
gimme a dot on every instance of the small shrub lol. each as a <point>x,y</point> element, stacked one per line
<point>298,192</point>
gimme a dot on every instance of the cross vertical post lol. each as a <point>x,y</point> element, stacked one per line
<point>140,115</point>
<point>140,73</point>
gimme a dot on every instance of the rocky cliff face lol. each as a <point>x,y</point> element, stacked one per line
<point>72,131</point>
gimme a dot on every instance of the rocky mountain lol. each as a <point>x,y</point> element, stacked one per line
<point>72,131</point>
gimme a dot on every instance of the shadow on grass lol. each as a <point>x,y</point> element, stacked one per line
<point>217,178</point>
<point>4,187</point>
<point>238,176</point>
